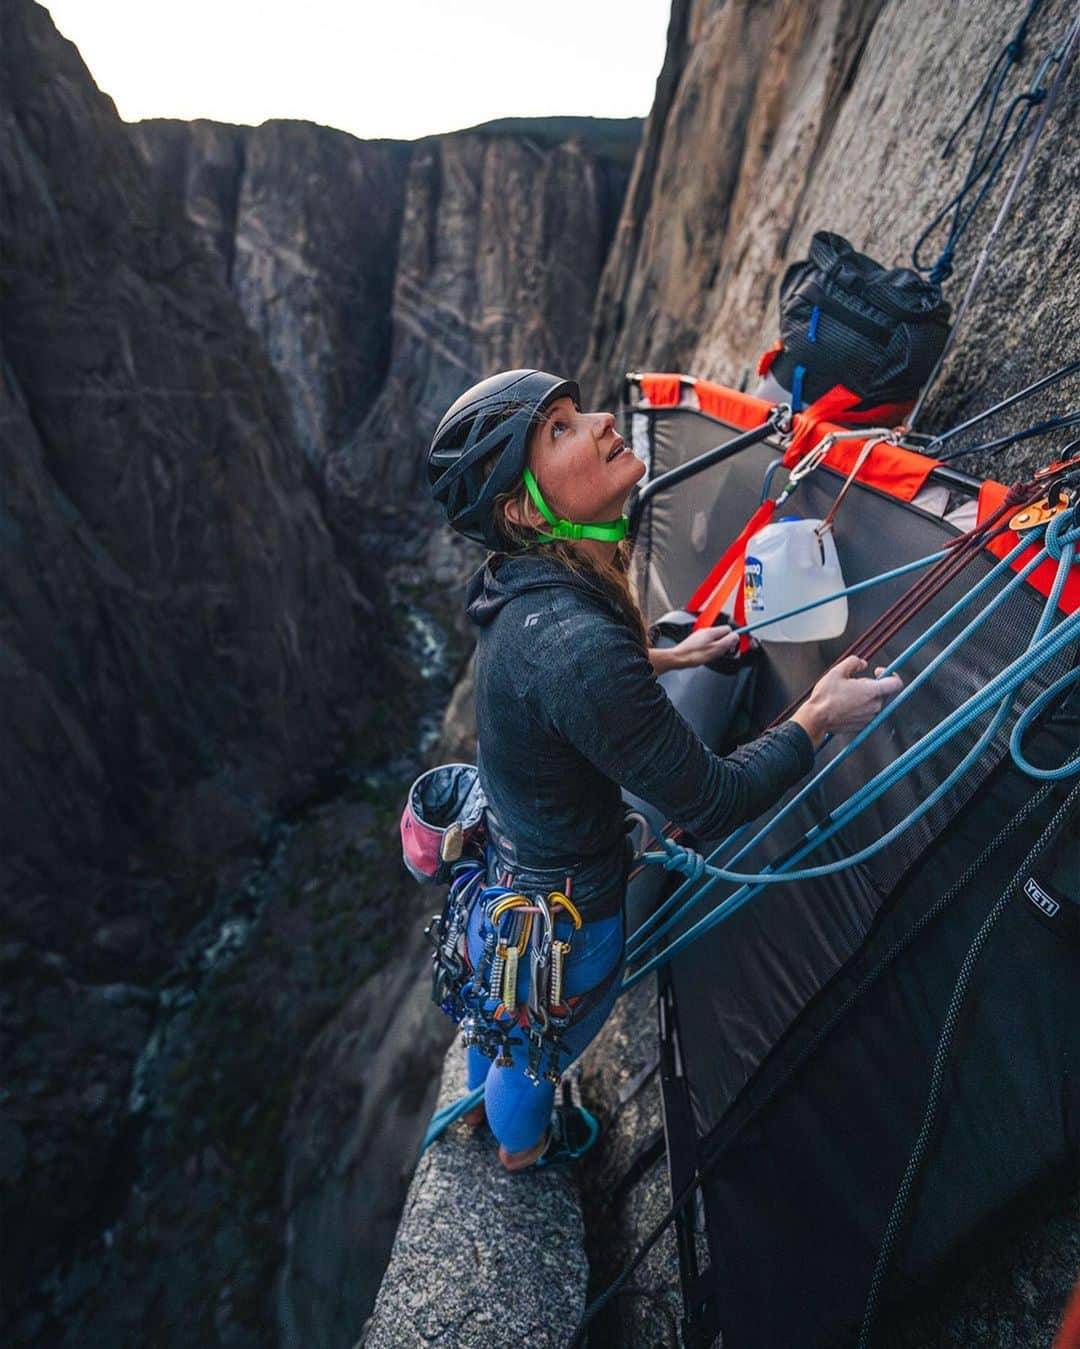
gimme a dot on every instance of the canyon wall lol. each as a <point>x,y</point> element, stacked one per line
<point>176,613</point>
<point>481,285</point>
<point>223,351</point>
<point>195,320</point>
<point>774,119</point>
<point>184,653</point>
<point>383,277</point>
<point>302,222</point>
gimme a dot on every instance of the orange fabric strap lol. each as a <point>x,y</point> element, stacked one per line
<point>728,405</point>
<point>721,594</point>
<point>890,468</point>
<point>662,391</point>
<point>708,599</point>
<point>838,404</point>
<point>768,358</point>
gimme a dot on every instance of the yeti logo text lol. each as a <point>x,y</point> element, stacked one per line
<point>1040,898</point>
<point>531,621</point>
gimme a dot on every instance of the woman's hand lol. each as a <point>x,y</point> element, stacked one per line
<point>699,648</point>
<point>840,702</point>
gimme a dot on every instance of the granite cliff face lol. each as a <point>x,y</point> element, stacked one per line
<point>834,116</point>
<point>383,277</point>
<point>481,284</point>
<point>181,639</point>
<point>194,320</point>
<point>179,615</point>
<point>303,223</point>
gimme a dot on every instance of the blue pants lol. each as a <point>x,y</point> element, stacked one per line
<point>518,1109</point>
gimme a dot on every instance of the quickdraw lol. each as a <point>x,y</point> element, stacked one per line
<point>484,999</point>
<point>450,988</point>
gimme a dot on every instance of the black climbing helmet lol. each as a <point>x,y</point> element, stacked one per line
<point>494,417</point>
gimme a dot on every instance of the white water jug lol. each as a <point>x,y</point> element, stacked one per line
<point>788,564</point>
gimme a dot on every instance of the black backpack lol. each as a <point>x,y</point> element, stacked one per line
<point>845,319</point>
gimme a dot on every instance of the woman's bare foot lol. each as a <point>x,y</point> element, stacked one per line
<point>518,1161</point>
<point>476,1116</point>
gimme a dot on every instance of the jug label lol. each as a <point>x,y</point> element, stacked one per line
<point>753,587</point>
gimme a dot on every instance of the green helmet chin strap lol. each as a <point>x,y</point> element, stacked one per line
<point>612,531</point>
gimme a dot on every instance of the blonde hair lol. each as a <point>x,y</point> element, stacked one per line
<point>613,576</point>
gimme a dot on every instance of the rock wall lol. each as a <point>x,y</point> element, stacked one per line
<point>194,319</point>
<point>501,250</point>
<point>176,612</point>
<point>183,654</point>
<point>303,222</point>
<point>383,276</point>
<point>834,116</point>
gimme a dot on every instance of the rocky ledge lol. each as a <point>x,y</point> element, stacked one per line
<point>483,1258</point>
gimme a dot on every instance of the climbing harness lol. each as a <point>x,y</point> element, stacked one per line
<point>443,838</point>
<point>518,932</point>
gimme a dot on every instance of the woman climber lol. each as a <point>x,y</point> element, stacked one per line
<point>569,710</point>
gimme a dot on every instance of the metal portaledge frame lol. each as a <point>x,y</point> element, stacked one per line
<point>949,477</point>
<point>700,1325</point>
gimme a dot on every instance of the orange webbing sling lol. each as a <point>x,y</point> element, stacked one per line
<point>891,468</point>
<point>714,591</point>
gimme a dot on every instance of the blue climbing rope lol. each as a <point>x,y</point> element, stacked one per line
<point>442,1119</point>
<point>1061,538</point>
<point>752,884</point>
<point>636,940</point>
<point>1066,770</point>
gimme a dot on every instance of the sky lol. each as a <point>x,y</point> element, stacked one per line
<point>396,68</point>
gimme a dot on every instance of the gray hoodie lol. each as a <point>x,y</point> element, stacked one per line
<point>569,710</point>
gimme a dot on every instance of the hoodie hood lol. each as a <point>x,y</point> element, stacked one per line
<point>505,576</point>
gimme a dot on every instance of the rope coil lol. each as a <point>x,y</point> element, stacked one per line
<point>1001,690</point>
